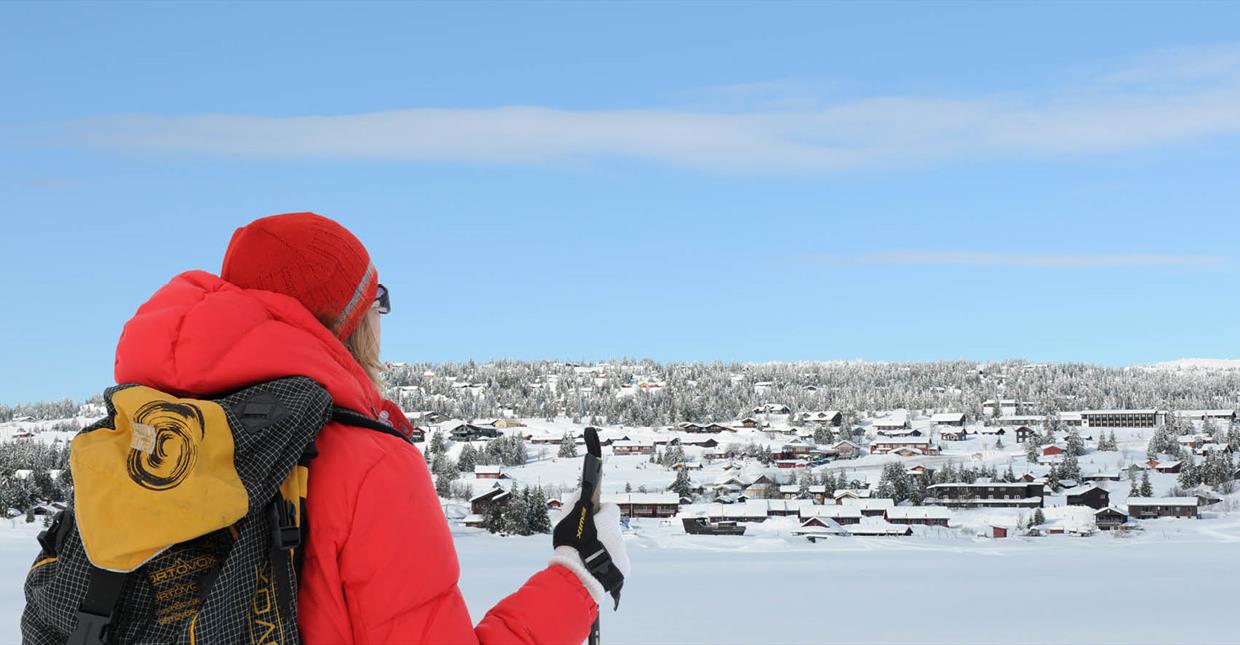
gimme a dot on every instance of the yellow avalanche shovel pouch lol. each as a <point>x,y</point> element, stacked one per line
<point>185,523</point>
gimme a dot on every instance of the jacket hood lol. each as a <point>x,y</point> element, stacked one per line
<point>200,336</point>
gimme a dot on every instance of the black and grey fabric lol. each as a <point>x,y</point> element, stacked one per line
<point>233,584</point>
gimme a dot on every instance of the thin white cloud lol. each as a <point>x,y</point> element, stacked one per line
<point>1036,260</point>
<point>1180,96</point>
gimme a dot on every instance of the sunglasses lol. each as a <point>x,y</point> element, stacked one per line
<point>382,302</point>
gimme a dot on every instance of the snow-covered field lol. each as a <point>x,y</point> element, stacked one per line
<point>1153,588</point>
<point>1178,582</point>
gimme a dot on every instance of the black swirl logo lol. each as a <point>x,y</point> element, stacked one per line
<point>171,446</point>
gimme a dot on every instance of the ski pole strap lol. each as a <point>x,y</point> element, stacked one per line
<point>95,612</point>
<point>598,562</point>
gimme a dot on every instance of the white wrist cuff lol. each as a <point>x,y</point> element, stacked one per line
<point>567,557</point>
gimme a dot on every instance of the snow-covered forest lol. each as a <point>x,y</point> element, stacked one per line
<point>646,393</point>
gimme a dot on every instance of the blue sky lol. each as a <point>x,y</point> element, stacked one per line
<point>677,181</point>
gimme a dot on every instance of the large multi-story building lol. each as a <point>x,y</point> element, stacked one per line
<point>987,494</point>
<point>1123,418</point>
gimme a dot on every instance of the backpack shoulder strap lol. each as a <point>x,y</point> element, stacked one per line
<point>353,418</point>
<point>103,590</point>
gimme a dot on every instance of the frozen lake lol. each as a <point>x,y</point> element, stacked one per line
<point>1178,582</point>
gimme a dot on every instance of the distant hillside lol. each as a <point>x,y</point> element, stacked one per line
<point>1199,364</point>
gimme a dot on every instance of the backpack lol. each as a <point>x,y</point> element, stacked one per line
<point>187,520</point>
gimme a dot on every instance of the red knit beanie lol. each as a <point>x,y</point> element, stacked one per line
<point>309,257</point>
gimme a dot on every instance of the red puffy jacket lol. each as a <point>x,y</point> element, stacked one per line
<point>380,566</point>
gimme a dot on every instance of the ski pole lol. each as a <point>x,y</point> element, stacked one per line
<point>591,475</point>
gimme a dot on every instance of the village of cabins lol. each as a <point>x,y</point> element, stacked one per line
<point>728,490</point>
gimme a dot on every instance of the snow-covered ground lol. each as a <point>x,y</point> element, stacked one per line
<point>1176,582</point>
<point>704,589</point>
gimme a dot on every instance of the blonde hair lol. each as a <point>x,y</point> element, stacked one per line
<point>363,344</point>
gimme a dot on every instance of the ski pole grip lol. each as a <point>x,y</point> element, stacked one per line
<point>591,474</point>
<point>592,467</point>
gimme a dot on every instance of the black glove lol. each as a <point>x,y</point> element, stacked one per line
<point>579,531</point>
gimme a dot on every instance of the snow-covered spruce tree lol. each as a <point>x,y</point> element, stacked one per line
<point>628,488</point>
<point>495,518</point>
<point>1051,426</point>
<point>804,480</point>
<point>1190,475</point>
<point>45,488</point>
<point>1038,518</point>
<point>1052,478</point>
<point>1135,489</point>
<point>537,519</point>
<point>467,459</point>
<point>999,443</point>
<point>1179,427</point>
<point>445,473</point>
<point>897,483</point>
<point>514,515</point>
<point>1069,468</point>
<point>828,484</point>
<point>437,445</point>
<point>918,492</point>
<point>1163,442</point>
<point>507,451</point>
<point>682,486</point>
<point>65,483</point>
<point>1075,445</point>
<point>1212,471</point>
<point>568,446</point>
<point>673,455</point>
<point>1031,451</point>
<point>1146,489</point>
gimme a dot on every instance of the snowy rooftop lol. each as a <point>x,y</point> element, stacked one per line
<point>830,510</point>
<point>871,504</point>
<point>643,498</point>
<point>1162,501</point>
<point>918,513</point>
<point>1204,413</point>
<point>1100,412</point>
<point>898,418</point>
<point>903,441</point>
